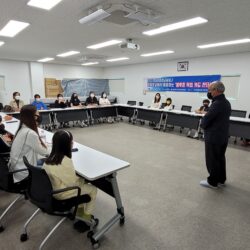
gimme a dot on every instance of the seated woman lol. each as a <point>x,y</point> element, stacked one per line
<point>60,169</point>
<point>202,110</point>
<point>74,101</point>
<point>156,102</point>
<point>16,104</point>
<point>6,138</point>
<point>91,101</point>
<point>104,101</point>
<point>169,104</point>
<point>60,102</point>
<point>27,142</point>
<point>38,103</point>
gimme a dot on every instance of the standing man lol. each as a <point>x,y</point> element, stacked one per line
<point>216,127</point>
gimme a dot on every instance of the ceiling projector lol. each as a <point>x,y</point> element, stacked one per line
<point>130,45</point>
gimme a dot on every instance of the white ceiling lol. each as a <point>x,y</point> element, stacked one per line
<point>56,31</point>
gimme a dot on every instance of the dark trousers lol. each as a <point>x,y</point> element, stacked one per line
<point>216,163</point>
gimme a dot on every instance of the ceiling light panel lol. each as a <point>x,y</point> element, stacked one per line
<point>69,53</point>
<point>44,4</point>
<point>104,44</point>
<point>46,59</point>
<point>227,43</point>
<point>90,63</point>
<point>158,53</point>
<point>94,17</point>
<point>117,59</point>
<point>176,26</point>
<point>12,28</point>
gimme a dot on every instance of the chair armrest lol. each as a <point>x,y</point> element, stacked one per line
<point>5,154</point>
<point>77,196</point>
<point>18,170</point>
<point>67,189</point>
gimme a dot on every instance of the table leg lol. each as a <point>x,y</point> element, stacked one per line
<point>118,217</point>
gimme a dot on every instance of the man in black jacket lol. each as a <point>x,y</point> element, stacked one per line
<point>216,129</point>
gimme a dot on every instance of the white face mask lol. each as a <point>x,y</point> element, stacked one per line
<point>104,96</point>
<point>92,95</point>
<point>17,97</point>
<point>38,99</point>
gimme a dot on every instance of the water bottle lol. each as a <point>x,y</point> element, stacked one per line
<point>43,136</point>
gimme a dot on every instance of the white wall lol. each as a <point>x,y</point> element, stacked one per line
<point>66,71</point>
<point>17,78</point>
<point>28,77</point>
<point>37,79</point>
<point>225,65</point>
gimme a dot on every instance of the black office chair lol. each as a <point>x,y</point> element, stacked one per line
<point>238,113</point>
<point>131,103</point>
<point>40,193</point>
<point>140,103</point>
<point>163,105</point>
<point>185,108</point>
<point>7,183</point>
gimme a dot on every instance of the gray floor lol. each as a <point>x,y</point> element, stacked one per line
<point>165,206</point>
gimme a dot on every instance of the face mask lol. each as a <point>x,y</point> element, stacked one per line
<point>205,104</point>
<point>38,99</point>
<point>39,119</point>
<point>17,97</point>
<point>92,95</point>
<point>104,96</point>
<point>75,96</point>
<point>209,95</point>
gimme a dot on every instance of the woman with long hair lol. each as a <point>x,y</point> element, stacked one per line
<point>60,169</point>
<point>27,142</point>
<point>156,102</point>
<point>75,101</point>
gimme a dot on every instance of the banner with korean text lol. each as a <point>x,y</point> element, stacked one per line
<point>181,83</point>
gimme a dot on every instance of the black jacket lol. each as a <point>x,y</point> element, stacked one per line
<point>60,105</point>
<point>90,100</point>
<point>75,101</point>
<point>216,121</point>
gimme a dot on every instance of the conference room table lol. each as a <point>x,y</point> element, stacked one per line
<point>98,168</point>
<point>239,127</point>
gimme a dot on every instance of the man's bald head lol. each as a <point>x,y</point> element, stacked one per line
<point>216,88</point>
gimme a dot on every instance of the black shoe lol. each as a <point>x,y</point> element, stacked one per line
<point>81,226</point>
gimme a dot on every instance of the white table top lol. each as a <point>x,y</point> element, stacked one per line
<point>89,163</point>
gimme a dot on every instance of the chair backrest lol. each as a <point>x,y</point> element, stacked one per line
<point>1,106</point>
<point>238,113</point>
<point>131,102</point>
<point>40,188</point>
<point>140,103</point>
<point>6,180</point>
<point>163,105</point>
<point>186,108</point>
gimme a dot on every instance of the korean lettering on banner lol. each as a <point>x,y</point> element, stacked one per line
<point>181,83</point>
